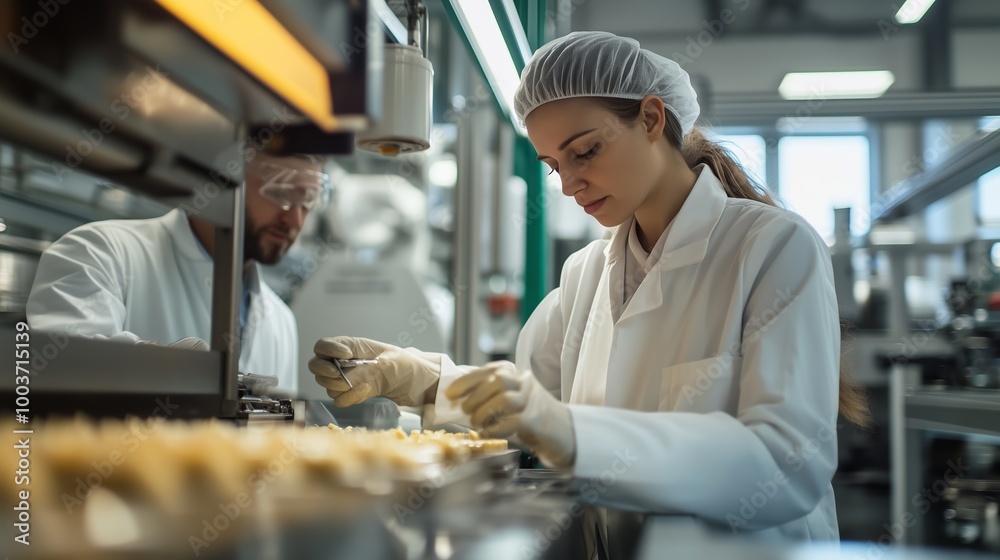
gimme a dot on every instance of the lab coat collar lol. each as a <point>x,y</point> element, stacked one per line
<point>689,232</point>
<point>176,221</point>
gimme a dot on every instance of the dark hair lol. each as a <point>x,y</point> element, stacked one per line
<point>697,149</point>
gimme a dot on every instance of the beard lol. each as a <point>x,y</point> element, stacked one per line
<point>261,247</point>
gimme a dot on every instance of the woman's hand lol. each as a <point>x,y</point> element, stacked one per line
<point>405,376</point>
<point>502,401</point>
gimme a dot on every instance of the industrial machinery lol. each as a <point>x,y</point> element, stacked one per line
<point>159,97</point>
<point>975,328</point>
<point>943,391</point>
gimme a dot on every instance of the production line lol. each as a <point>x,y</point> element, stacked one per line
<point>288,279</point>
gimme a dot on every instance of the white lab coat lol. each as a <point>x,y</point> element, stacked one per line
<point>136,280</point>
<point>715,393</point>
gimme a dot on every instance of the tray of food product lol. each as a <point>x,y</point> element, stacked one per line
<point>133,487</point>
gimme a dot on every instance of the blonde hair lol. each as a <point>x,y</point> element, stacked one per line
<point>696,150</point>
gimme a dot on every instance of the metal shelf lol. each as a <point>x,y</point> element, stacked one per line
<point>743,109</point>
<point>969,162</point>
<point>113,378</point>
<point>955,411</point>
<point>914,410</point>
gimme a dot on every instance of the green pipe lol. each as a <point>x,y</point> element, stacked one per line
<point>536,237</point>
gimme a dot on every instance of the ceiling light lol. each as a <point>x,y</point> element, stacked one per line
<point>912,10</point>
<point>835,85</point>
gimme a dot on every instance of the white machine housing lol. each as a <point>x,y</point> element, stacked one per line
<point>405,125</point>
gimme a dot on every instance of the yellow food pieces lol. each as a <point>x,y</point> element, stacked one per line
<point>171,464</point>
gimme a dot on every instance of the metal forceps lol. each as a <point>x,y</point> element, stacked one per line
<point>341,365</point>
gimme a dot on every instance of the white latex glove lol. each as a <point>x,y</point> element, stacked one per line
<point>502,401</point>
<point>404,376</point>
<point>188,343</point>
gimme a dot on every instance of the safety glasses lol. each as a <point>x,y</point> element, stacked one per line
<point>290,188</point>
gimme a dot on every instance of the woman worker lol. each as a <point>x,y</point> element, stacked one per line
<point>695,354</point>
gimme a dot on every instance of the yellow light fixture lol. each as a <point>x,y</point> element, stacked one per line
<point>250,35</point>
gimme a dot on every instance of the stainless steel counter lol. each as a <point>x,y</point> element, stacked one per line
<point>684,537</point>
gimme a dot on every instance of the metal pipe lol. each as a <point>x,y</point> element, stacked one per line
<point>33,247</point>
<point>504,168</point>
<point>415,12</point>
<point>963,165</point>
<point>465,241</point>
<point>227,287</point>
<point>754,109</point>
<point>60,138</point>
<point>899,312</point>
<point>897,443</point>
<point>427,30</point>
<point>937,47</point>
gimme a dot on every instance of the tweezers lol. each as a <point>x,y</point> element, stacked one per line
<point>340,368</point>
<point>349,363</point>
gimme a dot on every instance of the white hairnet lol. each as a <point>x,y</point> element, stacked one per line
<point>600,64</point>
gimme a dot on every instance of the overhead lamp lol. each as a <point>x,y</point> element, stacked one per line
<point>405,123</point>
<point>252,37</point>
<point>480,25</point>
<point>835,85</point>
<point>912,10</point>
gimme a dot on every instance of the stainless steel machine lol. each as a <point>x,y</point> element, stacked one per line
<point>164,97</point>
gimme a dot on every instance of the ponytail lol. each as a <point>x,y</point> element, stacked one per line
<point>696,150</point>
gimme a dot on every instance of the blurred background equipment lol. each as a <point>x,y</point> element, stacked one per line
<point>370,275</point>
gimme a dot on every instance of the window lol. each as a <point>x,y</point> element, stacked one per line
<point>988,198</point>
<point>988,189</point>
<point>819,173</point>
<point>750,151</point>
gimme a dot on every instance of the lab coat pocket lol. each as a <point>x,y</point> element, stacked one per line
<point>702,386</point>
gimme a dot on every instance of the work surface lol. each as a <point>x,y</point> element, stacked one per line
<point>666,537</point>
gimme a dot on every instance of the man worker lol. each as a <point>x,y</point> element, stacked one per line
<point>151,280</point>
